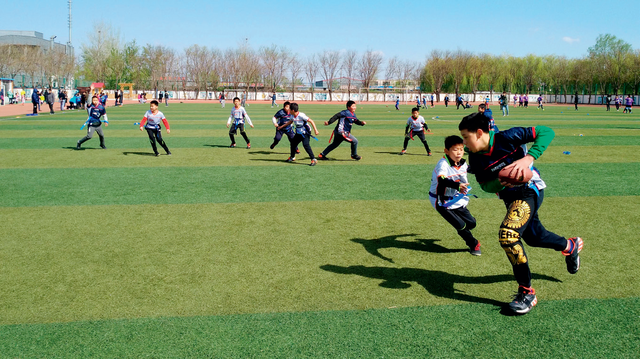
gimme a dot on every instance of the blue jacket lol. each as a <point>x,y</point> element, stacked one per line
<point>35,98</point>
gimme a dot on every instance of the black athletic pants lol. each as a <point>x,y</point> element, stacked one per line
<point>234,131</point>
<point>522,223</point>
<point>155,134</point>
<point>422,138</point>
<point>295,141</point>
<point>463,222</point>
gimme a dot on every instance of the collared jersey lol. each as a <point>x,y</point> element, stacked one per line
<point>346,121</point>
<point>452,172</point>
<point>281,117</point>
<point>505,148</point>
<point>416,125</point>
<point>153,121</point>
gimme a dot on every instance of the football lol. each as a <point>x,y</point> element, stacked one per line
<point>506,176</point>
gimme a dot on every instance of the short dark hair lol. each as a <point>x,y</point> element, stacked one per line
<point>287,103</point>
<point>452,141</point>
<point>154,102</point>
<point>94,96</point>
<point>236,98</point>
<point>293,107</point>
<point>349,103</point>
<point>475,121</point>
<point>482,106</point>
<point>415,109</point>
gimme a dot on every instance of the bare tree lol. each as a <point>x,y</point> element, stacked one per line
<point>349,67</point>
<point>329,64</point>
<point>311,68</point>
<point>368,68</point>
<point>295,67</point>
<point>274,61</point>
<point>390,74</point>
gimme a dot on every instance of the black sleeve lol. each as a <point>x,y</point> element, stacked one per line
<point>334,118</point>
<point>406,130</point>
<point>358,122</point>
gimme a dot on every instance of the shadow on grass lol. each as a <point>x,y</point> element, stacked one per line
<point>407,153</point>
<point>139,153</point>
<point>217,146</point>
<point>438,283</point>
<point>373,246</point>
<point>81,148</point>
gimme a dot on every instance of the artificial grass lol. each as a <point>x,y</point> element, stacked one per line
<point>558,329</point>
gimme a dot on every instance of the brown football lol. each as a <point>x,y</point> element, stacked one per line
<point>505,176</point>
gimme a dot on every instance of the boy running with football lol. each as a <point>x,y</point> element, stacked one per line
<point>503,166</point>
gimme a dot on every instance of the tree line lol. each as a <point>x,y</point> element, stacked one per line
<point>611,66</point>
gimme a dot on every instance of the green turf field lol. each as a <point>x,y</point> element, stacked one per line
<point>219,252</point>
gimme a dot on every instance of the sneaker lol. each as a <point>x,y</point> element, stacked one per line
<point>573,258</point>
<point>403,152</point>
<point>428,153</point>
<point>291,159</point>
<point>297,150</point>
<point>78,146</point>
<point>356,157</point>
<point>272,146</point>
<point>232,145</point>
<point>313,162</point>
<point>322,157</point>
<point>103,147</point>
<point>168,153</point>
<point>475,250</point>
<point>157,154</point>
<point>524,300</point>
<point>248,146</point>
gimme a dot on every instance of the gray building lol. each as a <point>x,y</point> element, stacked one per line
<point>32,38</point>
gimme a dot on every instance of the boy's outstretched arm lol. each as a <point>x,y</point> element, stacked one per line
<point>333,119</point>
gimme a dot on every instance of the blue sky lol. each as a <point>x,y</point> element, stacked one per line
<point>407,29</point>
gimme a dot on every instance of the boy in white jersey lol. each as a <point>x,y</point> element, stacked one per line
<point>151,122</point>
<point>238,116</point>
<point>448,192</point>
<point>302,131</point>
<point>416,126</point>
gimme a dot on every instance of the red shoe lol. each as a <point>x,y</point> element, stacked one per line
<point>248,146</point>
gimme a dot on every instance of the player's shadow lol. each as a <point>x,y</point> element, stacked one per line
<point>437,283</point>
<point>81,148</point>
<point>373,246</point>
<point>127,153</point>
<point>406,154</point>
<point>217,146</point>
<point>267,153</point>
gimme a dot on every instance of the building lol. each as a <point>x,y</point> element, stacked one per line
<point>32,38</point>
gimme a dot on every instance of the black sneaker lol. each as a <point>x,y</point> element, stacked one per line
<point>524,300</point>
<point>322,157</point>
<point>103,147</point>
<point>169,153</point>
<point>356,157</point>
<point>157,154</point>
<point>78,146</point>
<point>291,159</point>
<point>272,146</point>
<point>475,250</point>
<point>573,258</point>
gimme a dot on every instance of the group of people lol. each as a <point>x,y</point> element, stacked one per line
<point>628,103</point>
<point>490,152</point>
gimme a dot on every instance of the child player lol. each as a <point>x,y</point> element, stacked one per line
<point>238,115</point>
<point>489,153</point>
<point>342,132</point>
<point>280,118</point>
<point>540,103</point>
<point>151,123</point>
<point>415,127</point>
<point>300,123</point>
<point>93,123</point>
<point>448,191</point>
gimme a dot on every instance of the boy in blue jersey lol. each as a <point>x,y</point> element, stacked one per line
<point>302,132</point>
<point>489,153</point>
<point>93,123</point>
<point>342,132</point>
<point>280,118</point>
<point>397,103</point>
